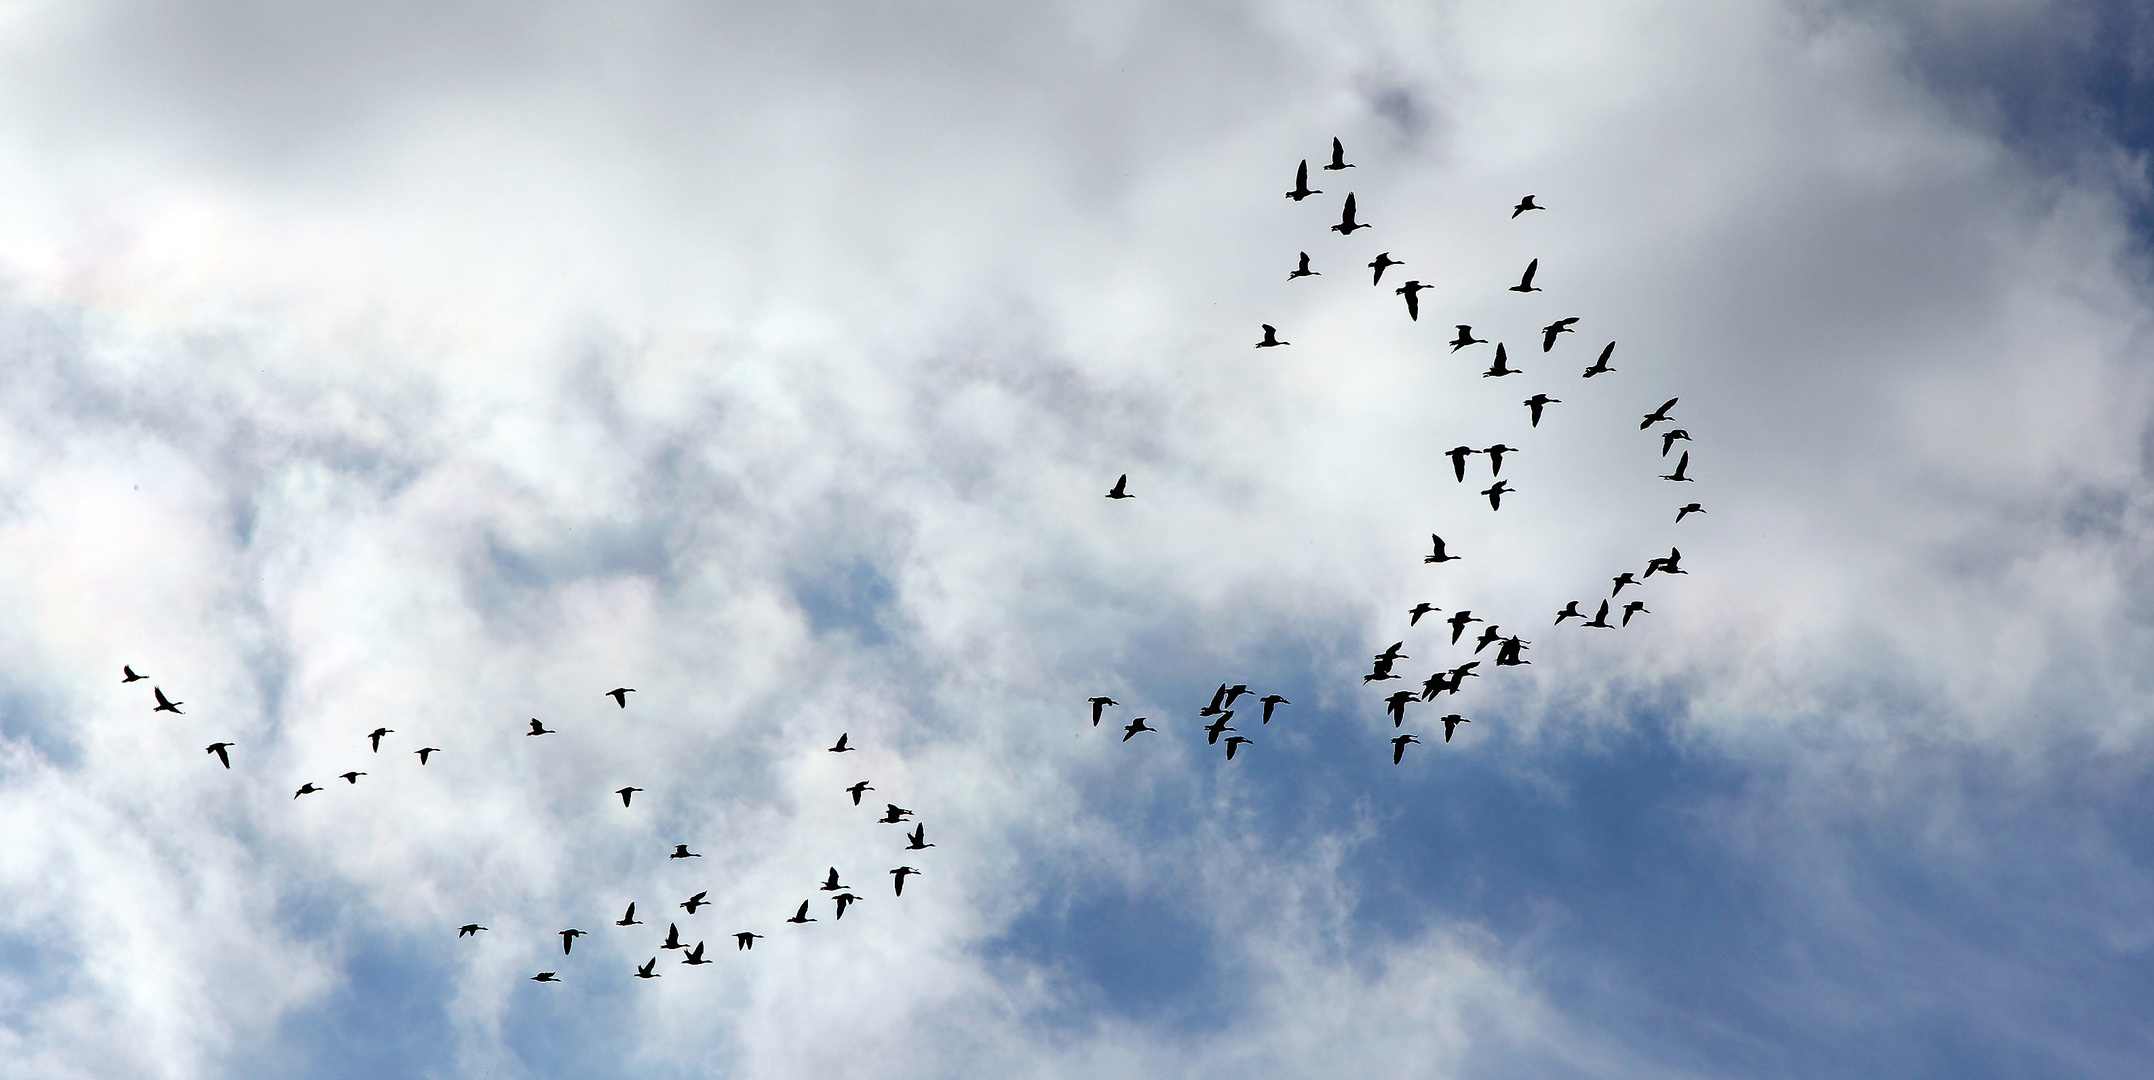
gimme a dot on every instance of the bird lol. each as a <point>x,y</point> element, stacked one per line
<point>1465,337</point>
<point>1508,655</point>
<point>1380,672</point>
<point>856,789</point>
<point>1673,564</point>
<point>1419,610</point>
<point>1670,437</point>
<point>646,969</point>
<point>1495,458</point>
<point>628,918</point>
<point>1687,510</point>
<point>1451,722</point>
<point>1635,607</point>
<point>1393,652</point>
<point>1437,684</point>
<point>1218,704</point>
<point>897,878</point>
<point>1458,621</point>
<point>845,900</point>
<point>692,903</point>
<point>127,675</point>
<point>695,955</point>
<point>1233,743</point>
<point>1302,190</point>
<point>1538,402</point>
<point>1501,367</point>
<point>1570,611</point>
<point>424,751</point>
<point>1681,464</point>
<point>1525,280</point>
<point>1396,706</point>
<point>1271,337</point>
<point>839,747</point>
<point>1412,292</point>
<point>1347,224</point>
<point>1272,701</point>
<point>893,814</point>
<point>745,940</point>
<point>165,704</point>
<point>1600,366</point>
<point>673,937</point>
<point>350,777</point>
<point>1120,490</point>
<point>568,938</point>
<point>219,748</point>
<point>1216,728</point>
<point>1382,262</point>
<point>1490,634</point>
<point>830,884</point>
<point>801,916</point>
<point>1600,618</point>
<point>1621,580</point>
<point>620,695</point>
<point>1398,747</point>
<point>624,793</point>
<point>1439,555</point>
<point>1550,332</point>
<point>1235,691</point>
<point>538,728</point>
<point>1134,727</point>
<point>1524,205</point>
<point>307,788</point>
<point>1338,157</point>
<point>1099,703</point>
<point>1658,415</point>
<point>1303,270</point>
<point>468,929</point>
<point>1495,494</point>
<point>680,851</point>
<point>917,841</point>
<point>544,976</point>
<point>1465,671</point>
<point>1458,456</point>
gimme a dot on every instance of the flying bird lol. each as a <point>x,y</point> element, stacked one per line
<point>620,695</point>
<point>1218,705</point>
<point>1099,703</point>
<point>856,789</point>
<point>1347,224</point>
<point>538,728</point>
<point>165,704</point>
<point>1439,555</point>
<point>1398,747</point>
<point>1490,634</point>
<point>1550,332</point>
<point>1501,367</point>
<point>1524,205</point>
<point>628,918</point>
<point>1670,437</point>
<point>1525,281</point>
<point>1382,262</point>
<point>1570,611</point>
<point>544,976</point>
<point>893,814</point>
<point>1134,727</point>
<point>1465,671</point>
<point>1412,292</point>
<point>1235,691</point>
<point>626,792</point>
<point>1338,157</point>
<point>1272,701</point>
<point>695,955</point>
<point>468,929</point>
<point>307,788</point>
<point>839,747</point>
<point>1600,366</point>
<point>1538,402</point>
<point>219,748</point>
<point>1687,510</point>
<point>1216,728</point>
<point>1635,607</point>
<point>1458,621</point>
<point>1495,494</point>
<point>1658,415</point>
<point>1380,672</point>
<point>897,878</point>
<point>568,938</point>
<point>1621,580</point>
<point>1437,684</point>
<point>830,884</point>
<point>1271,337</point>
<point>1393,652</point>
<point>745,940</point>
<point>1509,654</point>
<point>845,900</point>
<point>695,902</point>
<point>673,937</point>
<point>1681,465</point>
<point>680,851</point>
<point>1495,458</point>
<point>350,777</point>
<point>1120,490</point>
<point>1419,610</point>
<point>1458,456</point>
<point>1302,190</point>
<point>1465,337</point>
<point>127,675</point>
<point>1395,705</point>
<point>1303,270</point>
<point>1233,743</point>
<point>1451,722</point>
<point>1600,618</point>
<point>917,841</point>
<point>646,970</point>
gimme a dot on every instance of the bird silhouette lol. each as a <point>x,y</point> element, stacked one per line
<point>1465,671</point>
<point>1120,490</point>
<point>647,969</point>
<point>1218,727</point>
<point>1570,611</point>
<point>1412,292</point>
<point>468,929</point>
<point>1302,270</point>
<point>1635,607</point>
<point>1525,280</point>
<point>1302,190</point>
<point>1393,652</point>
<point>1451,722</point>
<point>165,704</point>
<point>745,940</point>
<point>1495,494</point>
<point>691,904</point>
<point>1379,672</point>
<point>1670,437</point>
<point>695,955</point>
<point>1465,337</point>
<point>1658,415</point>
<point>893,814</point>
<point>628,918</point>
<point>839,747</point>
<point>1673,564</point>
<point>1495,458</point>
<point>1234,742</point>
<point>1524,205</point>
<point>1600,366</point>
<point>1347,224</point>
<point>1437,684</point>
<point>538,728</point>
<point>1550,332</point>
<point>1098,704</point>
<point>680,851</point>
<point>1600,618</point>
<point>1687,510</point>
<point>1233,692</point>
<point>1458,456</point>
<point>830,884</point>
<point>801,916</point>
<point>425,751</point>
<point>1439,555</point>
<point>673,937</point>
<point>1382,262</point>
<point>1501,367</point>
<point>1271,337</point>
<point>1538,402</point>
<point>897,878</point>
<point>1458,621</point>
<point>626,792</point>
<point>1395,706</point>
<point>917,841</point>
<point>1621,580</point>
<point>1218,705</point>
<point>350,777</point>
<point>1682,464</point>
<point>1509,654</point>
<point>568,938</point>
<point>544,976</point>
<point>1419,610</point>
<point>844,900</point>
<point>1490,634</point>
<point>1398,747</point>
<point>1134,727</point>
<point>1338,157</point>
<point>307,788</point>
<point>127,675</point>
<point>1272,701</point>
<point>219,748</point>
<point>620,695</point>
<point>856,789</point>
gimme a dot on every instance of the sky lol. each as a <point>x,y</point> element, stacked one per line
<point>441,366</point>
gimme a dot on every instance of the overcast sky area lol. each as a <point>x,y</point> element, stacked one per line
<point>440,366</point>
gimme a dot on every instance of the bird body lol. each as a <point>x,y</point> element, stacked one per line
<point>1554,330</point>
<point>695,902</point>
<point>695,955</point>
<point>1302,190</point>
<point>897,878</point>
<point>1502,365</point>
<point>1412,292</point>
<point>1600,366</point>
<point>375,735</point>
<point>1489,636</point>
<point>1465,337</point>
<point>893,814</point>
<point>857,789</point>
<point>1635,607</point>
<point>1233,743</point>
<point>1120,490</point>
<point>1495,458</point>
<point>1524,205</point>
<point>1682,466</point>
<point>839,747</point>
<point>1451,723</point>
<point>568,938</point>
<point>1570,611</point>
<point>1439,555</point>
<point>1670,437</point>
<point>1496,493</point>
<point>1272,701</point>
<point>626,793</point>
<point>544,976</point>
<point>127,675</point>
<point>1217,728</point>
<point>1134,727</point>
<point>1419,610</point>
<point>1458,621</point>
<point>307,788</point>
<point>1347,225</point>
<point>845,900</point>
<point>1302,270</point>
<point>1687,510</point>
<point>426,750</point>
<point>648,969</point>
<point>1099,703</point>
<point>830,884</point>
<point>1382,262</point>
<point>350,777</point>
<point>619,694</point>
<point>1338,157</point>
<point>1395,706</point>
<point>1398,747</point>
<point>1271,337</point>
<point>628,918</point>
<point>673,937</point>
<point>1458,456</point>
<point>468,929</point>
<point>1525,280</point>
<point>1658,415</point>
<point>745,940</point>
<point>538,728</point>
<point>1600,618</point>
<point>1621,580</point>
<point>918,840</point>
<point>165,704</point>
<point>1538,402</point>
<point>219,748</point>
<point>680,851</point>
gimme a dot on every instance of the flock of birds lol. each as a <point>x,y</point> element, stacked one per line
<point>1510,648</point>
<point>841,895</point>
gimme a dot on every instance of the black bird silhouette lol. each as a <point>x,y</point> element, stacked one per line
<point>830,884</point>
<point>350,777</point>
<point>1508,655</point>
<point>1495,494</point>
<point>1437,684</point>
<point>1439,555</point>
<point>1465,671</point>
<point>1495,458</point>
<point>626,792</point>
<point>1687,510</point>
<point>897,878</point>
<point>856,789</point>
<point>1347,224</point>
<point>1302,190</point>
<point>1458,621</point>
<point>544,976</point>
<point>647,969</point>
<point>468,929</point>
<point>1538,402</point>
<point>673,937</point>
<point>1412,292</point>
<point>1419,610</point>
<point>1218,705</point>
<point>1099,703</point>
<point>1465,337</point>
<point>426,750</point>
<point>1271,337</point>
<point>680,851</point>
<point>628,918</point>
<point>1490,634</point>
<point>1458,456</point>
<point>695,902</point>
<point>1120,488</point>
<point>1303,270</point>
<point>1658,415</point>
<point>1395,705</point>
<point>1570,611</point>
<point>745,940</point>
<point>695,955</point>
<point>1501,367</point>
<point>839,747</point>
<point>845,900</point>
<point>1621,580</point>
<point>165,704</point>
<point>1524,205</point>
<point>1235,691</point>
<point>1600,618</point>
<point>1234,742</point>
<point>1338,157</point>
<point>1673,564</point>
<point>307,788</point>
<point>1398,747</point>
<point>1635,607</point>
<point>1218,727</point>
<point>1525,280</point>
<point>1681,465</point>
<point>1380,672</point>
<point>1600,366</point>
<point>1393,652</point>
<point>127,675</point>
<point>1382,262</point>
<point>893,814</point>
<point>918,840</point>
<point>620,695</point>
<point>568,938</point>
<point>1550,332</point>
<point>1670,437</point>
<point>1134,727</point>
<point>1272,701</point>
<point>1451,722</point>
<point>538,728</point>
<point>219,748</point>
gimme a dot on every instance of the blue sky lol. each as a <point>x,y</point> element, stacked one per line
<point>438,367</point>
